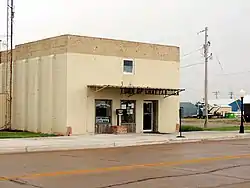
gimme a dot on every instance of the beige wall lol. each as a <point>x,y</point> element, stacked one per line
<point>3,110</point>
<point>50,92</point>
<point>4,85</point>
<point>39,94</point>
<point>95,46</point>
<point>50,79</point>
<point>166,109</point>
<point>86,70</point>
<point>97,69</point>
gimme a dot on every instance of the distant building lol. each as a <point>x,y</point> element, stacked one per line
<point>247,108</point>
<point>247,99</point>
<point>236,105</point>
<point>226,103</point>
<point>189,109</point>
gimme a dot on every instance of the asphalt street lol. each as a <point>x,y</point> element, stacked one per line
<point>224,164</point>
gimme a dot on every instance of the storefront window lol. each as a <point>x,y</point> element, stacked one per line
<point>129,116</point>
<point>103,111</point>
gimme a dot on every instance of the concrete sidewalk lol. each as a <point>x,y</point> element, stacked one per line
<point>107,141</point>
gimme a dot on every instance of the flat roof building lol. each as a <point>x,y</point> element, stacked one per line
<point>91,84</point>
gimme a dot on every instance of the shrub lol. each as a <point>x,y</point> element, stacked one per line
<point>187,128</point>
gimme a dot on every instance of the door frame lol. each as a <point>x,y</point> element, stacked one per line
<point>152,117</point>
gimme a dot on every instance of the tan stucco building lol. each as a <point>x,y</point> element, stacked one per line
<point>79,82</point>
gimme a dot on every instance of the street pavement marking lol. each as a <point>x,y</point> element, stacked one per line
<point>127,167</point>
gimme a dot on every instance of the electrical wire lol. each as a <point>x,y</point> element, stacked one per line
<point>227,74</point>
<point>192,52</point>
<point>218,60</point>
<point>193,90</point>
<point>191,65</point>
<point>235,98</point>
<point>233,73</point>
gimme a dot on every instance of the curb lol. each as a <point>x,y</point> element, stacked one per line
<point>12,150</point>
<point>63,147</point>
<point>117,144</point>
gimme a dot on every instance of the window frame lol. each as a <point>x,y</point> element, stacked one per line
<point>133,67</point>
<point>111,114</point>
<point>126,101</point>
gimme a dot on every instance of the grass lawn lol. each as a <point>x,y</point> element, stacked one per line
<point>230,128</point>
<point>19,134</point>
<point>188,128</point>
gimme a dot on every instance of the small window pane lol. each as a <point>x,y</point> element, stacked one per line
<point>128,66</point>
<point>128,63</point>
<point>128,69</point>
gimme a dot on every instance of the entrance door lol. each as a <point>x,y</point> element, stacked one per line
<point>147,116</point>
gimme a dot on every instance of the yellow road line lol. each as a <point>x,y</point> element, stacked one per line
<point>127,167</point>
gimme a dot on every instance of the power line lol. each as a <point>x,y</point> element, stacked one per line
<point>231,94</point>
<point>192,52</point>
<point>222,69</point>
<point>192,89</point>
<point>219,62</point>
<point>191,65</point>
<point>233,73</point>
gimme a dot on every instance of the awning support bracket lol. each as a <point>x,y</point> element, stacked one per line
<point>97,90</point>
<point>130,95</point>
<point>176,93</point>
<point>165,96</point>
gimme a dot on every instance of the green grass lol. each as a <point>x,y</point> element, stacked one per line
<point>189,128</point>
<point>229,128</point>
<point>19,134</point>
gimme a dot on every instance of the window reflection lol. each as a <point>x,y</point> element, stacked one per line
<point>128,66</point>
<point>103,111</point>
<point>129,116</point>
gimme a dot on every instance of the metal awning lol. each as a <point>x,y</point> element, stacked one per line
<point>133,90</point>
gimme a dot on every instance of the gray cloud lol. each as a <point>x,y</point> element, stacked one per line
<point>162,21</point>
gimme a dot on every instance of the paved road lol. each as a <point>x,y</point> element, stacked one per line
<point>209,164</point>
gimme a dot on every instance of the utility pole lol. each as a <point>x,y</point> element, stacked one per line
<point>216,93</point>
<point>206,58</point>
<point>6,118</point>
<point>231,94</point>
<point>206,81</point>
<point>11,59</point>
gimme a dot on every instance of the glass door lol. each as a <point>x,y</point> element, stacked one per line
<point>103,115</point>
<point>147,116</point>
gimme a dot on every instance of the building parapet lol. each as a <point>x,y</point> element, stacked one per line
<point>96,46</point>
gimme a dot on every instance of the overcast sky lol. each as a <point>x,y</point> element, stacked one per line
<point>174,22</point>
